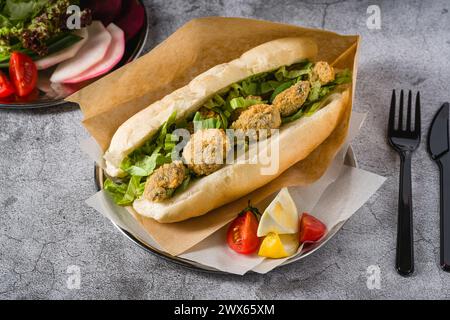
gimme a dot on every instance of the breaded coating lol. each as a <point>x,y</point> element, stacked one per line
<point>323,72</point>
<point>236,113</point>
<point>164,180</point>
<point>291,100</point>
<point>206,151</point>
<point>256,119</point>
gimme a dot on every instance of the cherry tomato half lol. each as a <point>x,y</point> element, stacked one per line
<point>241,235</point>
<point>23,73</point>
<point>311,229</point>
<point>6,87</point>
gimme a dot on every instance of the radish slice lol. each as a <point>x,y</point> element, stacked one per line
<point>64,54</point>
<point>90,54</point>
<point>112,58</point>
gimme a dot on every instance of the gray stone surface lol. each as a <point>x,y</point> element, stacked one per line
<point>45,225</point>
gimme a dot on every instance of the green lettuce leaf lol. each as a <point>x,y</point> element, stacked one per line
<point>145,166</point>
<point>165,127</point>
<point>216,102</point>
<point>293,117</point>
<point>343,77</point>
<point>170,142</point>
<point>313,108</point>
<point>5,22</point>
<point>124,194</point>
<point>56,44</point>
<point>116,191</point>
<point>185,183</point>
<point>241,102</point>
<point>134,190</point>
<point>283,73</point>
<point>21,10</point>
<point>210,123</point>
<point>269,86</point>
<point>155,152</point>
<point>314,93</point>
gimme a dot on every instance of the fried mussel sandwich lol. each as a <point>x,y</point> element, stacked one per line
<point>182,156</point>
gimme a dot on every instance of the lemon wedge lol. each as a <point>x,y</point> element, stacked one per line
<point>277,246</point>
<point>280,216</point>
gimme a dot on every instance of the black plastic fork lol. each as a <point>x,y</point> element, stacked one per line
<point>405,140</point>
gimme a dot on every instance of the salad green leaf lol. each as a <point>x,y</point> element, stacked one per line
<point>293,117</point>
<point>241,102</point>
<point>29,26</point>
<point>59,43</point>
<point>22,10</point>
<point>314,92</point>
<point>209,123</point>
<point>124,194</point>
<point>134,190</point>
<point>115,190</point>
<point>145,166</point>
<point>283,73</point>
<point>342,77</point>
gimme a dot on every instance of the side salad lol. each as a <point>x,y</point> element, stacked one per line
<point>42,54</point>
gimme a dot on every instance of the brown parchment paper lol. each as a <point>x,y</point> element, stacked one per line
<point>194,48</point>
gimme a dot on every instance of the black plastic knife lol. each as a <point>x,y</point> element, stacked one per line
<point>438,146</point>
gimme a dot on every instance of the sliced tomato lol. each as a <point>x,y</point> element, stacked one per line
<point>241,236</point>
<point>311,229</point>
<point>6,87</point>
<point>23,73</point>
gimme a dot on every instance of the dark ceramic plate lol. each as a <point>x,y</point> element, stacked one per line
<point>133,50</point>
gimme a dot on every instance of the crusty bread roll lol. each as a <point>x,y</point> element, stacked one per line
<point>296,140</point>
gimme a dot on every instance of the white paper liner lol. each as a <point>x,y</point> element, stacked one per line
<point>335,197</point>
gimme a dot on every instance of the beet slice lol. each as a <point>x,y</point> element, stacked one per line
<point>104,10</point>
<point>132,19</point>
